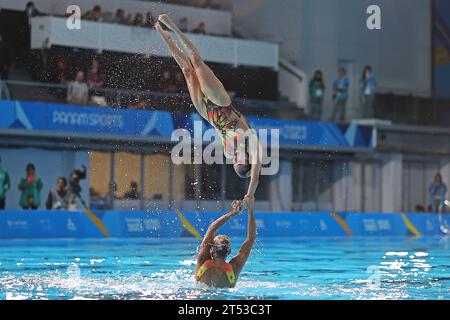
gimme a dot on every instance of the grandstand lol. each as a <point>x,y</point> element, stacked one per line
<point>362,165</point>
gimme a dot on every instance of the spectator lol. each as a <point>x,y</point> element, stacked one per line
<point>200,29</point>
<point>437,191</point>
<point>180,83</point>
<point>60,74</point>
<point>5,184</point>
<point>31,187</point>
<point>133,193</point>
<point>138,104</point>
<point>94,77</point>
<point>129,20</point>
<point>168,83</point>
<point>57,199</point>
<point>316,93</point>
<point>5,58</point>
<point>183,24</point>
<point>138,20</point>
<point>368,86</point>
<point>31,11</point>
<point>78,91</point>
<point>94,15</point>
<point>149,20</point>
<point>340,96</point>
<point>119,17</point>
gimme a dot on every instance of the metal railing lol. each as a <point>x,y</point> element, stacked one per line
<point>126,98</point>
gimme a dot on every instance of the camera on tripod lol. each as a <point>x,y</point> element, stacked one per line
<point>74,189</point>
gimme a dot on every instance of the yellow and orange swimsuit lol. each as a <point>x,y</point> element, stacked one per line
<point>227,268</point>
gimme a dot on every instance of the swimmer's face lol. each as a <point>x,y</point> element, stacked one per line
<point>242,167</point>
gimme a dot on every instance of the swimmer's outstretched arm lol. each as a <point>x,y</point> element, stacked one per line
<point>205,246</point>
<point>240,259</point>
<point>254,173</point>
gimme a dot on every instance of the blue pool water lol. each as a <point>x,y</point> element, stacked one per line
<point>293,268</point>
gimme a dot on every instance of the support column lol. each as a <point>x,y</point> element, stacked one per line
<point>392,183</point>
<point>344,186</point>
<point>280,188</point>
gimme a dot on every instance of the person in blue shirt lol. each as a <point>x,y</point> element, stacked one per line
<point>340,96</point>
<point>437,191</point>
<point>368,86</point>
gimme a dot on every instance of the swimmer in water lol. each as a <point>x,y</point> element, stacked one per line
<point>212,268</point>
<point>214,104</point>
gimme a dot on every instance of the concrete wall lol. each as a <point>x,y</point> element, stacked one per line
<point>327,33</point>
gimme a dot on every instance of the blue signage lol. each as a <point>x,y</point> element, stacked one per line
<point>161,124</point>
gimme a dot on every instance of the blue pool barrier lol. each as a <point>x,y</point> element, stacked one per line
<point>167,224</point>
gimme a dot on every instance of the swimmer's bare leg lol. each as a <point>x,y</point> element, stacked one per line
<point>197,96</point>
<point>210,85</point>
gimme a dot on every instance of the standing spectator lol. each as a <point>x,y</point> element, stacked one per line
<point>437,191</point>
<point>119,17</point>
<point>316,93</point>
<point>57,199</point>
<point>77,91</point>
<point>340,96</point>
<point>149,20</point>
<point>180,83</point>
<point>94,76</point>
<point>138,20</point>
<point>368,86</point>
<point>5,184</point>
<point>94,15</point>
<point>200,29</point>
<point>60,74</point>
<point>31,187</point>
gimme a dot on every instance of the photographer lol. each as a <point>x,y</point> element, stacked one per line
<point>57,199</point>
<point>74,190</point>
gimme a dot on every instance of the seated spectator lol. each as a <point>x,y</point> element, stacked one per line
<point>94,76</point>
<point>139,104</point>
<point>5,59</point>
<point>93,15</point>
<point>119,17</point>
<point>168,84</point>
<point>31,11</point>
<point>78,91</point>
<point>138,20</point>
<point>60,74</point>
<point>129,20</point>
<point>31,187</point>
<point>437,191</point>
<point>368,86</point>
<point>200,29</point>
<point>149,20</point>
<point>183,24</point>
<point>180,83</point>
<point>133,193</point>
<point>5,184</point>
<point>57,199</point>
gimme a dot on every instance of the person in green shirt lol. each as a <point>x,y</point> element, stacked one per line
<point>5,184</point>
<point>31,187</point>
<point>316,93</point>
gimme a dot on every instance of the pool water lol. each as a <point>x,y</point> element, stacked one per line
<point>285,268</point>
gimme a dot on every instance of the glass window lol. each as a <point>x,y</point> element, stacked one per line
<point>99,174</point>
<point>156,177</point>
<point>127,171</point>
